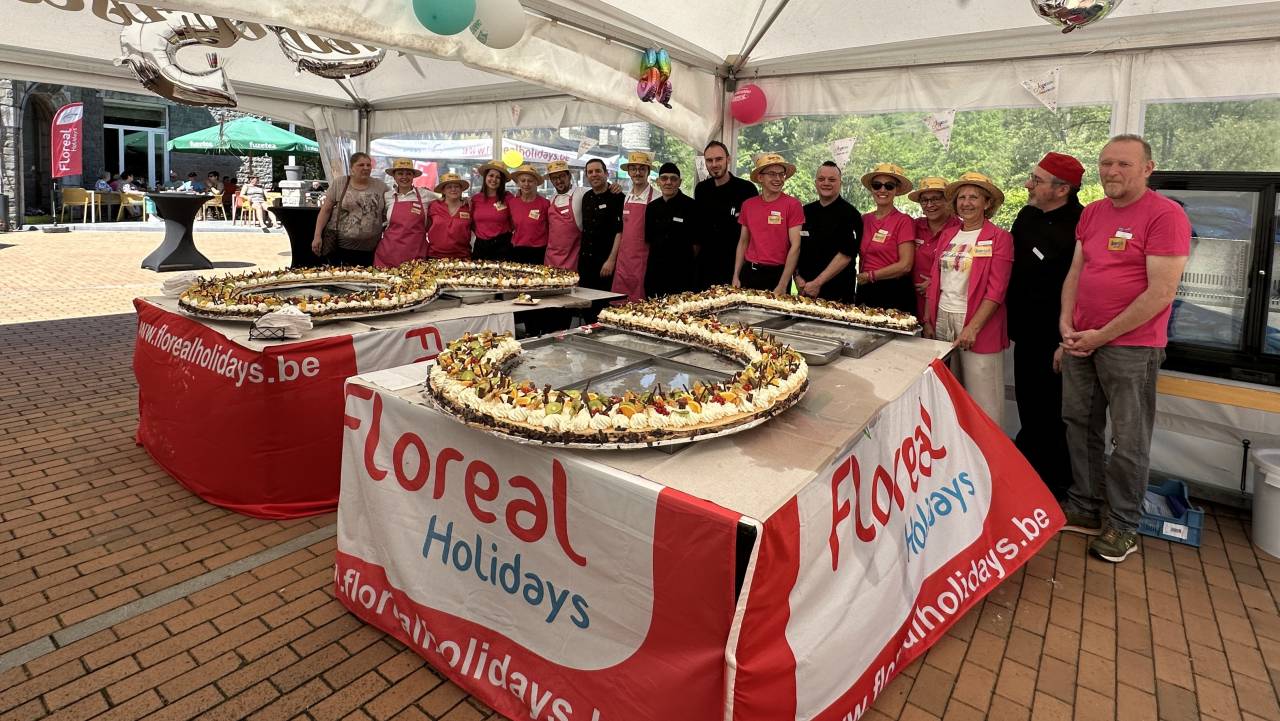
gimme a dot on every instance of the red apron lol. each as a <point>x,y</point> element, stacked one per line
<point>633,253</point>
<point>405,237</point>
<point>564,239</point>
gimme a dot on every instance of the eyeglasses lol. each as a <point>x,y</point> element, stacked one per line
<point>772,173</point>
<point>669,178</point>
<point>932,200</point>
<point>877,185</point>
<point>1036,181</point>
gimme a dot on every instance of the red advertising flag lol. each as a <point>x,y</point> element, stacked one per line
<point>66,140</point>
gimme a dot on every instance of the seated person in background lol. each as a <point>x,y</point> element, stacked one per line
<point>114,184</point>
<point>257,196</point>
<point>229,189</point>
<point>174,183</point>
<point>104,182</point>
<point>127,185</point>
<point>192,184</point>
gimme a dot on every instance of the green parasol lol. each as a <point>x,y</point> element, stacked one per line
<point>240,136</point>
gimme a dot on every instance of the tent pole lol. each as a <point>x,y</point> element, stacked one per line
<point>746,52</point>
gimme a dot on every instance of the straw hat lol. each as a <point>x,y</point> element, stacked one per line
<point>557,166</point>
<point>451,178</point>
<point>493,165</point>
<point>639,159</point>
<point>894,171</point>
<point>932,182</point>
<point>764,160</point>
<point>526,169</point>
<point>403,164</point>
<point>982,181</point>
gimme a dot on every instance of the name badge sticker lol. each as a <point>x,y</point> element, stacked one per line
<point>1038,253</point>
<point>1122,233</point>
<point>775,219</point>
<point>982,251</point>
<point>984,242</point>
<point>602,206</point>
<point>881,236</point>
<point>1116,243</point>
<point>534,214</point>
<point>804,234</point>
<point>677,220</point>
<point>464,215</point>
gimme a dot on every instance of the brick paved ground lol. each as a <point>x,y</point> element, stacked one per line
<point>124,596</point>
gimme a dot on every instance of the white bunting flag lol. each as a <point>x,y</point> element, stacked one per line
<point>841,149</point>
<point>515,115</point>
<point>585,145</point>
<point>940,124</point>
<point>700,168</point>
<point>1045,88</point>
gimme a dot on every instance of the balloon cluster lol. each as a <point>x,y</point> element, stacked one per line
<point>497,24</point>
<point>655,77</point>
<point>1072,14</point>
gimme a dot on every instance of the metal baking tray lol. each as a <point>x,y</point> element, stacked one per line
<point>856,342</point>
<point>816,350</point>
<point>749,316</point>
<point>651,374</point>
<point>707,359</point>
<point>562,361</point>
<point>634,341</point>
<point>469,297</point>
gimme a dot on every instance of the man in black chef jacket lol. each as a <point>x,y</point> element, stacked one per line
<point>601,227</point>
<point>828,241</point>
<point>671,231</point>
<point>719,198</point>
<point>1044,240</point>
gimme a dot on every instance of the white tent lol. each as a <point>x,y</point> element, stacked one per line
<point>578,60</point>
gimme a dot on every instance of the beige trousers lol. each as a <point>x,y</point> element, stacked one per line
<point>981,374</point>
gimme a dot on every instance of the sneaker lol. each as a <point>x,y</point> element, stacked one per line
<point>1087,523</point>
<point>1114,545</point>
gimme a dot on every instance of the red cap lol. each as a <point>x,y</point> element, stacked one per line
<point>1064,168</point>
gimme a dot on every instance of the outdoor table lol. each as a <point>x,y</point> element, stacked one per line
<point>256,426</point>
<point>785,572</point>
<point>299,223</point>
<point>178,249</point>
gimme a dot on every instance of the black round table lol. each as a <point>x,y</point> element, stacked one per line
<point>178,249</point>
<point>299,223</point>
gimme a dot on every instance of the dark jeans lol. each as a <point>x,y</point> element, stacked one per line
<point>495,248</point>
<point>346,256</point>
<point>761,277</point>
<point>1121,381</point>
<point>1043,436</point>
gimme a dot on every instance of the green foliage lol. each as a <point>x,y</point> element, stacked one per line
<point>1234,135</point>
<point>1004,144</point>
<point>667,148</point>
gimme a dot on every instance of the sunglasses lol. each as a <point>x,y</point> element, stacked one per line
<point>877,185</point>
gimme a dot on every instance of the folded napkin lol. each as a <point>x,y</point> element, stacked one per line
<point>288,318</point>
<point>174,284</point>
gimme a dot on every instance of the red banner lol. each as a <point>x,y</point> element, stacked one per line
<point>260,432</point>
<point>66,140</point>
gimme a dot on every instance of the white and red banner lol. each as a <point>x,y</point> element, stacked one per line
<point>888,547</point>
<point>554,587</point>
<point>547,585</point>
<point>260,432</point>
<point>66,138</point>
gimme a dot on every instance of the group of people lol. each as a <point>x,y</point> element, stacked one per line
<point>225,187</point>
<point>1084,293</point>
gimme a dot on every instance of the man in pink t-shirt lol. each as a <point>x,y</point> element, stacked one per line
<point>1131,247</point>
<point>769,243</point>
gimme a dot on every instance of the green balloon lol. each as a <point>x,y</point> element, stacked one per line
<point>445,17</point>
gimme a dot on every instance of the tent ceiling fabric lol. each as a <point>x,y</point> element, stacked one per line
<point>454,82</point>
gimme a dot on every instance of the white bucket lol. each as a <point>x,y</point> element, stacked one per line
<point>1266,500</point>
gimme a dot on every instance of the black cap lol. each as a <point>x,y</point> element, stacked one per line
<point>669,169</point>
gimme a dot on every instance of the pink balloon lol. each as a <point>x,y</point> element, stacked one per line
<point>748,104</point>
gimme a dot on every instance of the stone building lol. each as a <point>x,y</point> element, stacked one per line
<point>111,119</point>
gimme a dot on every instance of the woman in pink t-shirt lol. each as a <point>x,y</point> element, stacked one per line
<point>450,234</point>
<point>938,217</point>
<point>769,243</point>
<point>490,216</point>
<point>529,213</point>
<point>888,243</point>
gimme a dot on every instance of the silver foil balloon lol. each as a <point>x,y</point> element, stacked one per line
<point>333,59</point>
<point>1072,14</point>
<point>150,50</point>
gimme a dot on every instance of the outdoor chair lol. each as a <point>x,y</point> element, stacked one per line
<point>131,200</point>
<point>242,211</point>
<point>73,198</point>
<point>214,203</point>
<point>105,200</point>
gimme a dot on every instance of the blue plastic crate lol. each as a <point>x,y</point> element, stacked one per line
<point>1179,530</point>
